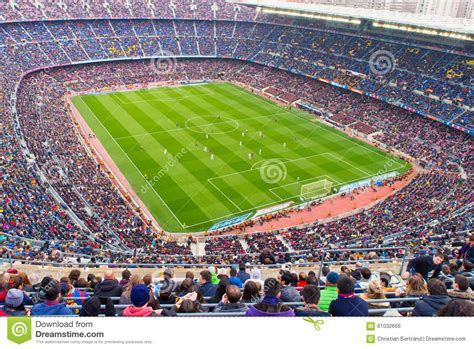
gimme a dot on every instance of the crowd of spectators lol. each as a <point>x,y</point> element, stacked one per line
<point>433,285</point>
<point>78,210</point>
<point>110,222</point>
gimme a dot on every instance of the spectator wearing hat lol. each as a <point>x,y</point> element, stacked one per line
<point>347,303</point>
<point>207,288</point>
<point>14,305</point>
<point>230,302</point>
<point>92,307</point>
<point>329,293</point>
<point>310,295</point>
<point>256,277</point>
<point>436,299</point>
<point>50,290</point>
<point>140,297</point>
<point>271,304</point>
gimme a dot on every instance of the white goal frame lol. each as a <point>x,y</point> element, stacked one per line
<point>316,189</point>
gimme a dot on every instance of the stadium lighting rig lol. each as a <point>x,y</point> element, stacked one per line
<point>333,18</point>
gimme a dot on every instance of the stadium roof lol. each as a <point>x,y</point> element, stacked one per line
<point>450,24</point>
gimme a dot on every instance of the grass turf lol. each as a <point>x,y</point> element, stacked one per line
<point>158,139</point>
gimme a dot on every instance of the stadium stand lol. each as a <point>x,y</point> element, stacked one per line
<point>59,205</point>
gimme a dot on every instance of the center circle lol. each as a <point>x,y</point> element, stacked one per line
<point>211,124</point>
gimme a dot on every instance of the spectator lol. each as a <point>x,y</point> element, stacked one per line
<point>51,290</point>
<point>467,253</point>
<point>311,295</point>
<point>266,257</point>
<point>256,277</point>
<point>207,288</point>
<point>271,304</point>
<point>424,265</point>
<point>125,277</point>
<point>436,299</point>
<point>109,287</point>
<point>234,279</point>
<point>74,275</point>
<point>302,279</point>
<point>457,307</point>
<point>127,289</point>
<point>140,297</point>
<point>347,303</point>
<point>375,291</point>
<point>230,302</point>
<point>251,292</point>
<point>189,304</point>
<point>92,307</point>
<point>243,275</point>
<point>329,293</point>
<point>69,291</point>
<point>324,273</point>
<point>14,305</point>
<point>365,275</point>
<point>461,288</point>
<point>288,292</point>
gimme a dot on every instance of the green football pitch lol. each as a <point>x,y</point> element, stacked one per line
<point>200,154</point>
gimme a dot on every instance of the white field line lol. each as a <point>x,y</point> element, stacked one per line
<point>348,163</point>
<point>220,191</point>
<point>280,201</point>
<point>128,157</point>
<point>201,116</point>
<point>317,125</point>
<point>259,168</point>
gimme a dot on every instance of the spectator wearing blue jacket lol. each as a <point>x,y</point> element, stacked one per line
<point>243,275</point>
<point>234,279</point>
<point>207,288</point>
<point>347,303</point>
<point>51,290</point>
<point>437,298</point>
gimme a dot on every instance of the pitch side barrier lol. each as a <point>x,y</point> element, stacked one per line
<point>323,262</point>
<point>380,311</point>
<point>320,263</point>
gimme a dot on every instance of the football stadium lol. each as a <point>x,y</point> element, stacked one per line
<point>236,158</point>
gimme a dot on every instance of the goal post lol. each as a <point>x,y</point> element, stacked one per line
<point>316,189</point>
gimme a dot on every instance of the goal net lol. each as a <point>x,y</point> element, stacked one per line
<point>316,189</point>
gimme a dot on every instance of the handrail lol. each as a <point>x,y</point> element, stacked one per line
<point>84,266</point>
